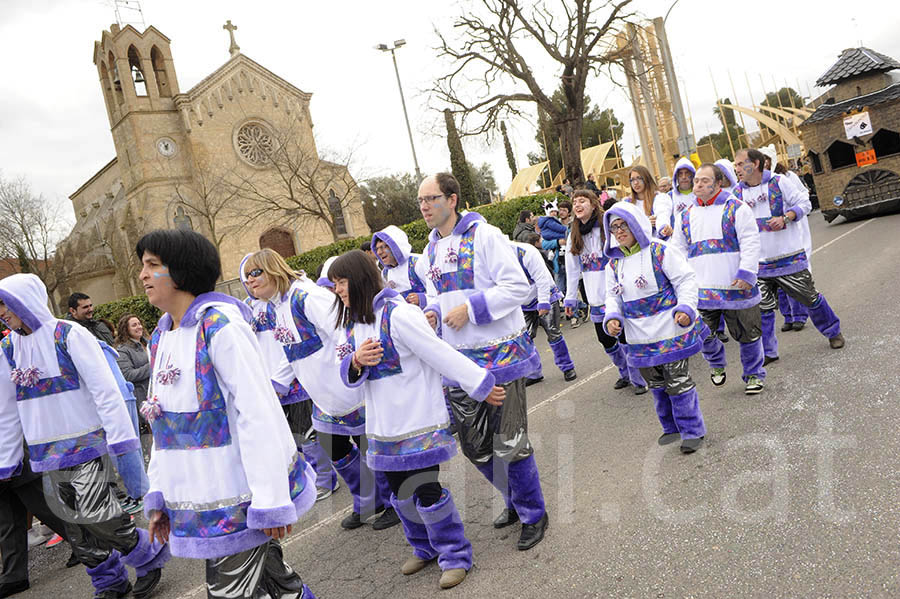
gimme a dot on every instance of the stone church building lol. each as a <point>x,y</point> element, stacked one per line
<point>233,158</point>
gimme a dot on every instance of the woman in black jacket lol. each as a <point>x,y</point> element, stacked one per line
<point>134,360</point>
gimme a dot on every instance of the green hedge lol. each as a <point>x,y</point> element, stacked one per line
<point>504,215</point>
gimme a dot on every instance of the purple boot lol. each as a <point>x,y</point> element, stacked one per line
<point>824,318</point>
<point>414,529</point>
<point>687,416</point>
<point>326,477</point>
<point>713,351</point>
<point>617,355</point>
<point>752,359</point>
<point>525,490</point>
<point>561,356</point>
<point>770,341</point>
<point>445,533</point>
<point>363,487</point>
<point>110,574</point>
<point>664,410</point>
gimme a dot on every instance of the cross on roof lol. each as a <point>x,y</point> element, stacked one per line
<point>233,49</point>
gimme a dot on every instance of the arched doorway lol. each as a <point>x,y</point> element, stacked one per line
<point>279,240</point>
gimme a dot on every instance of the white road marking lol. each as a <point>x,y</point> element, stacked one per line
<point>569,389</point>
<point>839,237</point>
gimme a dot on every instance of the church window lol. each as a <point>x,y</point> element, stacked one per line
<point>137,75</point>
<point>279,240</point>
<point>840,155</point>
<point>159,71</point>
<point>337,213</point>
<point>254,143</point>
<point>116,81</point>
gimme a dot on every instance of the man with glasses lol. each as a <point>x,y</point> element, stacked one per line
<point>783,262</point>
<point>720,239</point>
<point>476,287</point>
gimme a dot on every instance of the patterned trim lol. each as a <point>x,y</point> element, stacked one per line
<point>411,445</point>
<point>309,342</point>
<point>651,305</point>
<point>264,320</point>
<point>295,393</point>
<point>70,448</point>
<point>727,295</point>
<point>597,313</point>
<point>416,284</point>
<point>776,202</point>
<point>501,354</point>
<point>351,420</point>
<point>390,360</point>
<point>780,266</point>
<point>68,375</point>
<point>665,350</point>
<point>593,262</point>
<point>464,275</point>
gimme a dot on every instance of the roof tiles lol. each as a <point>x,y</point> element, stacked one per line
<point>857,61</point>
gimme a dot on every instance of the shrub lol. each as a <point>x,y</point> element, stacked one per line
<point>136,304</point>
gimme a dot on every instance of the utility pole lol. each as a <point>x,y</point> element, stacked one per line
<point>386,48</point>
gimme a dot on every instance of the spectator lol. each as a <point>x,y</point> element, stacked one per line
<point>664,184</point>
<point>366,246</point>
<point>567,188</point>
<point>81,310</point>
<point>524,226</point>
<point>591,184</point>
<point>134,360</point>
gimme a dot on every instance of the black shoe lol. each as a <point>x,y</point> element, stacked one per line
<point>146,584</point>
<point>787,326</point>
<point>622,383</point>
<point>387,519</point>
<point>570,375</point>
<point>722,336</point>
<point>639,390</point>
<point>532,534</point>
<point>769,359</point>
<point>73,561</point>
<point>113,593</point>
<point>666,438</point>
<point>798,326</point>
<point>836,342</point>
<point>691,445</point>
<point>352,521</point>
<point>530,382</point>
<point>506,518</point>
<point>11,588</point>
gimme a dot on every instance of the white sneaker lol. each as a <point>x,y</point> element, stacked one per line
<point>37,537</point>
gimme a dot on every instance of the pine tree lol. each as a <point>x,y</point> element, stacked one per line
<point>24,264</point>
<point>458,164</point>
<point>510,159</point>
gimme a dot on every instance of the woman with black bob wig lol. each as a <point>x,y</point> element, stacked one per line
<point>219,435</point>
<point>395,356</point>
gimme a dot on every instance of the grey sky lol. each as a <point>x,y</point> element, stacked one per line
<point>56,132</point>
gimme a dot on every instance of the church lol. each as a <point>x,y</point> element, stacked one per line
<point>233,158</point>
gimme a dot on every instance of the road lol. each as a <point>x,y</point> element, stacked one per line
<point>795,493</point>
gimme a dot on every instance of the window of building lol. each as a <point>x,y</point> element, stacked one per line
<point>254,143</point>
<point>815,162</point>
<point>159,71</point>
<point>841,155</point>
<point>279,240</point>
<point>886,142</point>
<point>137,75</point>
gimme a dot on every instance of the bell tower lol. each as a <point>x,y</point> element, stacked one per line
<point>139,85</point>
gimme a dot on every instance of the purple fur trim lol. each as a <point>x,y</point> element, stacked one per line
<point>147,554</point>
<point>797,210</point>
<point>570,303</point>
<point>561,356</point>
<point>746,276</point>
<point>613,315</point>
<point>423,299</point>
<point>279,388</point>
<point>436,308</point>
<point>525,491</point>
<point>7,473</point>
<point>728,305</point>
<point>543,306</point>
<point>480,310</point>
<point>153,501</point>
<point>790,269</point>
<point>824,318</point>
<point>212,547</point>
<point>190,317</point>
<point>752,357</point>
<point>692,314</point>
<point>345,373</point>
<point>671,356</point>
<point>484,387</point>
<point>68,461</point>
<point>462,224</point>
<point>412,461</point>
<point>392,245</point>
<point>713,351</point>
<point>123,447</point>
<point>273,517</point>
<point>382,296</point>
<point>337,429</point>
<point>108,574</point>
<point>687,415</point>
<point>19,309</point>
<point>639,236</point>
<point>325,282</point>
<point>307,497</point>
<point>509,373</point>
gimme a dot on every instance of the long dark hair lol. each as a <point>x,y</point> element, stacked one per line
<point>122,335</point>
<point>577,240</point>
<point>364,283</point>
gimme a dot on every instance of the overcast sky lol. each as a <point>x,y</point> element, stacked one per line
<point>55,130</point>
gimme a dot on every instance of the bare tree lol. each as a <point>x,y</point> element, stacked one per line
<point>294,181</point>
<point>30,226</point>
<point>210,197</point>
<point>501,50</point>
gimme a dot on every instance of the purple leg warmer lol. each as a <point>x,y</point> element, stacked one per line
<point>561,355</point>
<point>413,528</point>
<point>824,318</point>
<point>634,375</point>
<point>721,328</point>
<point>360,480</point>
<point>617,355</point>
<point>525,490</point>
<point>785,306</point>
<point>686,412</point>
<point>752,359</point>
<point>446,534</point>
<point>499,478</point>
<point>713,351</point>
<point>770,341</point>
<point>326,477</point>
<point>384,489</point>
<point>147,555</point>
<point>307,594</point>
<point>109,574</point>
<point>664,410</point>
<point>798,310</point>
<point>538,372</point>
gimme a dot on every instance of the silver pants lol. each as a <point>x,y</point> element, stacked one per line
<point>258,573</point>
<point>674,377</point>
<point>94,520</point>
<point>799,285</point>
<point>745,325</point>
<point>549,322</point>
<point>486,431</point>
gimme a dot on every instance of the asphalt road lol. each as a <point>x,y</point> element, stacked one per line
<point>795,493</point>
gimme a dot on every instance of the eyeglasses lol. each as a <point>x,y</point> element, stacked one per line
<point>623,227</point>
<point>430,199</point>
<point>255,272</point>
<point>637,180</point>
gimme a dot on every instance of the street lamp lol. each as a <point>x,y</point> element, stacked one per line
<point>386,48</point>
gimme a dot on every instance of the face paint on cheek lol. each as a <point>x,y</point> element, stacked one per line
<point>163,275</point>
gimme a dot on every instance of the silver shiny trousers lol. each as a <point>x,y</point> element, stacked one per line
<point>258,573</point>
<point>674,377</point>
<point>799,286</point>
<point>744,325</point>
<point>486,431</point>
<point>94,520</point>
<point>549,322</point>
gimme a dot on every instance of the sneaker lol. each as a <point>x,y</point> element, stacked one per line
<point>132,506</point>
<point>530,382</point>
<point>387,519</point>
<point>576,322</point>
<point>717,376</point>
<point>325,492</point>
<point>836,342</point>
<point>798,326</point>
<point>722,336</point>
<point>351,522</point>
<point>54,541</point>
<point>639,389</point>
<point>787,326</point>
<point>36,537</point>
<point>691,445</point>
<point>769,359</point>
<point>754,386</point>
<point>146,584</point>
<point>622,383</point>
<point>666,438</point>
<point>570,375</point>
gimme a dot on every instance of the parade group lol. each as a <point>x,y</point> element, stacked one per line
<point>378,370</point>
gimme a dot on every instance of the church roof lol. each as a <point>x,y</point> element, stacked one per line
<point>827,111</point>
<point>854,62</point>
